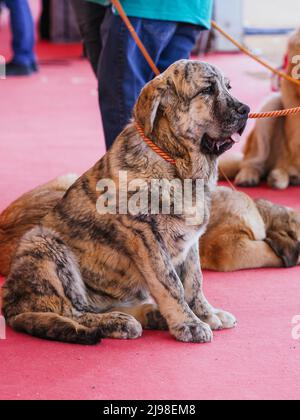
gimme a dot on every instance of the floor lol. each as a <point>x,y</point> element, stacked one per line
<point>50,125</point>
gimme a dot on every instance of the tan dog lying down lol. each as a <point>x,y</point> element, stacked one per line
<point>272,150</point>
<point>241,234</point>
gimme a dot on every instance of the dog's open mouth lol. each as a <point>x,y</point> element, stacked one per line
<point>210,146</point>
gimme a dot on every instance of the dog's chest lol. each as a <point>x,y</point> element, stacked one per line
<point>178,237</point>
<point>181,233</point>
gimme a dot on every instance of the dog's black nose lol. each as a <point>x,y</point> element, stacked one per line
<point>244,110</point>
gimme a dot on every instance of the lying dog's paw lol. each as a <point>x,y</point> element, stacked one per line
<point>192,332</point>
<point>278,179</point>
<point>220,320</point>
<point>247,177</point>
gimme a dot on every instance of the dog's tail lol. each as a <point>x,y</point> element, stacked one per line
<point>230,165</point>
<point>25,213</point>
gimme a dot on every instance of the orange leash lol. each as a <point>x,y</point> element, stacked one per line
<point>135,36</point>
<point>153,146</point>
<point>275,114</point>
<point>253,56</point>
<point>272,114</point>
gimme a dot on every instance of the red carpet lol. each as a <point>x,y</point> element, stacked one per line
<point>49,126</point>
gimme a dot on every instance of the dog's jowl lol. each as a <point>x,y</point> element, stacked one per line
<point>79,275</point>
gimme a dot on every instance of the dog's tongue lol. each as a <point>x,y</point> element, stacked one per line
<point>236,137</point>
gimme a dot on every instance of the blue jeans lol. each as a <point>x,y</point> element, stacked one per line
<point>123,71</point>
<point>23,32</point>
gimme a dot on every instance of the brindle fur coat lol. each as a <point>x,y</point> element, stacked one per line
<point>78,275</point>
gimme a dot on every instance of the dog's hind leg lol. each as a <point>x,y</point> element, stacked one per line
<point>52,326</point>
<point>45,295</point>
<point>44,289</point>
<point>27,212</point>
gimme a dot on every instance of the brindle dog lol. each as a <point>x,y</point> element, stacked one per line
<point>80,275</point>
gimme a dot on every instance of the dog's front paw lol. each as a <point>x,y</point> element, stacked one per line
<point>248,177</point>
<point>192,332</point>
<point>220,320</point>
<point>278,179</point>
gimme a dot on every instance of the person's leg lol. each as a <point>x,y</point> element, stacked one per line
<point>123,70</point>
<point>23,34</point>
<point>180,46</point>
<point>45,20</point>
<point>90,17</point>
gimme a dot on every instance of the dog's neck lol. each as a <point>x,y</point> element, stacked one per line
<point>191,163</point>
<point>130,153</point>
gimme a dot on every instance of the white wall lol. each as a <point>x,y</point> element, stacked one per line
<point>271,13</point>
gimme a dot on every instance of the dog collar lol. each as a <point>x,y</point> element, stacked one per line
<point>153,146</point>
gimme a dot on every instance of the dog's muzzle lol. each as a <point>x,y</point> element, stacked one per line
<point>217,147</point>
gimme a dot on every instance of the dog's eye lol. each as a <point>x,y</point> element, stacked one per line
<point>209,90</point>
<point>229,87</point>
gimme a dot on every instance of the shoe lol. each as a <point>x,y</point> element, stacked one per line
<point>35,67</point>
<point>15,69</point>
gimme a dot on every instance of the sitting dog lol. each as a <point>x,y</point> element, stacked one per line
<point>80,275</point>
<point>244,234</point>
<point>272,150</point>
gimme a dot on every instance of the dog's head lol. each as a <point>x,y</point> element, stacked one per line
<point>294,44</point>
<point>283,231</point>
<point>195,99</point>
<point>293,59</point>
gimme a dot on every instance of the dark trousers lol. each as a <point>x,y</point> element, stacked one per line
<point>90,17</point>
<point>23,31</point>
<point>122,70</point>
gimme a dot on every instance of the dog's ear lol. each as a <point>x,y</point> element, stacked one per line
<point>285,245</point>
<point>148,103</point>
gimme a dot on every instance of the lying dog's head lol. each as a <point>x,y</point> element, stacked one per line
<point>195,99</point>
<point>283,231</point>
